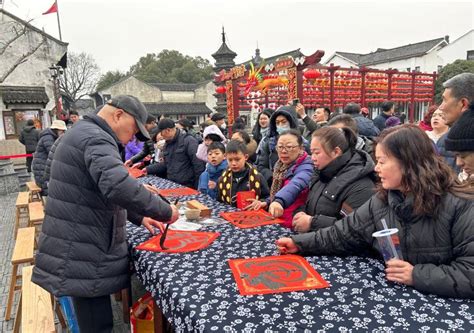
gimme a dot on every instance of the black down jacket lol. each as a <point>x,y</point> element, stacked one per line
<point>82,247</point>
<point>342,186</point>
<point>46,141</point>
<point>47,167</point>
<point>267,155</point>
<point>441,248</point>
<point>180,162</point>
<point>29,136</point>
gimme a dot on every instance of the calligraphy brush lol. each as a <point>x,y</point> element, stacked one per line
<point>163,236</point>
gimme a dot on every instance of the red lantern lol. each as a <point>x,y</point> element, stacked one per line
<point>311,74</point>
<point>220,90</point>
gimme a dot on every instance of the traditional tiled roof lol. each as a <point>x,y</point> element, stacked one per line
<point>354,57</point>
<point>23,95</point>
<point>295,54</point>
<point>176,86</point>
<point>224,50</point>
<point>178,108</point>
<point>397,53</point>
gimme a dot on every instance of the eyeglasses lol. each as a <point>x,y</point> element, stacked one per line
<point>286,148</point>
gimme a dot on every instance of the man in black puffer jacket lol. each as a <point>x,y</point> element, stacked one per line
<point>82,248</point>
<point>181,164</point>
<point>365,126</point>
<point>46,141</point>
<point>29,137</point>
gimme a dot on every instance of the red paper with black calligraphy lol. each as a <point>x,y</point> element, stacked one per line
<point>242,198</point>
<point>135,172</point>
<point>250,218</point>
<point>178,192</point>
<point>275,274</point>
<point>178,241</point>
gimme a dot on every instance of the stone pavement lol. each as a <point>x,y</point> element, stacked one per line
<point>7,218</point>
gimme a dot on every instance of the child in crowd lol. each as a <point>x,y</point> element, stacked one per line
<point>211,134</point>
<point>249,142</point>
<point>216,165</point>
<point>240,176</point>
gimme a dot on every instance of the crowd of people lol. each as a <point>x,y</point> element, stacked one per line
<point>331,177</point>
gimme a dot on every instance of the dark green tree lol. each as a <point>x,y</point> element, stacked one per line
<point>170,66</point>
<point>448,71</point>
<point>109,78</point>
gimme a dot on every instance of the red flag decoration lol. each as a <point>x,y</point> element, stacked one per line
<point>53,9</point>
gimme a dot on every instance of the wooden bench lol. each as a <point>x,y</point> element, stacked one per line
<point>21,207</point>
<point>22,254</point>
<point>36,214</point>
<point>34,190</point>
<point>37,314</point>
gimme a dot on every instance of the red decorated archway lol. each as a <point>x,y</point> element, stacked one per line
<point>316,85</point>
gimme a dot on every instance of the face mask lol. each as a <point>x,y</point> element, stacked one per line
<point>223,126</point>
<point>281,129</point>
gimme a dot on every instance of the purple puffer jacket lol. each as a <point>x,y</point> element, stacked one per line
<point>294,192</point>
<point>132,148</point>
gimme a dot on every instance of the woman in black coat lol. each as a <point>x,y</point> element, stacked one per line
<point>45,143</point>
<point>421,197</point>
<point>343,181</point>
<point>262,126</point>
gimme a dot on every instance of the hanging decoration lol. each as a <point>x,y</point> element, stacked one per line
<point>257,82</point>
<point>220,90</point>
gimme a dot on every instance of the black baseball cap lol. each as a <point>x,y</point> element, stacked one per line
<point>217,116</point>
<point>165,123</point>
<point>135,108</point>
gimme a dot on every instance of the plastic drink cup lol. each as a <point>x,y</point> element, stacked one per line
<point>389,243</point>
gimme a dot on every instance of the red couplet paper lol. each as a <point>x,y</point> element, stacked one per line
<point>177,192</point>
<point>251,218</point>
<point>178,241</point>
<point>242,198</point>
<point>276,274</point>
<point>135,172</point>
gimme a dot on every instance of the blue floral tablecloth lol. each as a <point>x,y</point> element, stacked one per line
<point>197,292</point>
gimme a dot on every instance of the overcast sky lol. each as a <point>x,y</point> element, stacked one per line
<point>118,32</point>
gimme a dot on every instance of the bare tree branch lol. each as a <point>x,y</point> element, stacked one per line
<point>22,59</point>
<point>16,34</point>
<point>81,76</point>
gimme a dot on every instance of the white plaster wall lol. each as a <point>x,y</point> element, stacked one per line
<point>34,69</point>
<point>2,128</point>
<point>457,49</point>
<point>178,96</point>
<point>132,86</point>
<point>428,63</point>
<point>338,61</point>
<point>208,92</point>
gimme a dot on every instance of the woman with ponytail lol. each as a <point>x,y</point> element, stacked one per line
<point>291,175</point>
<point>343,181</point>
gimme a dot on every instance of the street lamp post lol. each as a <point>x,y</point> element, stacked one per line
<point>55,72</point>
